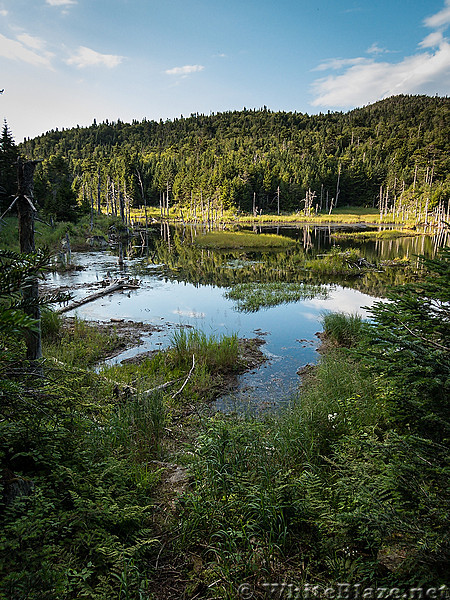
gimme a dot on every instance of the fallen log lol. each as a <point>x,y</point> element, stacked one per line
<point>114,287</point>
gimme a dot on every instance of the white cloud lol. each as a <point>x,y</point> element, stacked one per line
<point>192,314</point>
<point>3,13</point>
<point>375,49</point>
<point>184,71</point>
<point>366,80</point>
<point>32,42</point>
<point>60,2</point>
<point>370,80</point>
<point>440,19</point>
<point>339,63</point>
<point>16,50</point>
<point>432,40</point>
<point>86,57</point>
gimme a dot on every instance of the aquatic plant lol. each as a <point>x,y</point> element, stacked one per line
<point>342,328</point>
<point>251,297</point>
<point>219,353</point>
<point>338,262</point>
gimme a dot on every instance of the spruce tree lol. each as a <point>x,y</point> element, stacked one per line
<point>8,167</point>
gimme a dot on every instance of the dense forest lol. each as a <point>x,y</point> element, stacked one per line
<point>393,151</point>
<point>120,482</point>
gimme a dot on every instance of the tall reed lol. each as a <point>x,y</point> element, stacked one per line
<point>217,352</point>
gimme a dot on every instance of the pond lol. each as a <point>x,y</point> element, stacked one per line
<point>182,285</point>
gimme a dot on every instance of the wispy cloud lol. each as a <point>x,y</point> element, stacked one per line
<point>362,80</point>
<point>339,63</point>
<point>440,19</point>
<point>86,57</point>
<point>60,2</point>
<point>375,49</point>
<point>184,71</point>
<point>31,41</point>
<point>3,12</point>
<point>24,50</point>
<point>432,40</point>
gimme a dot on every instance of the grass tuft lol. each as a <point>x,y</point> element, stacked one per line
<point>78,344</point>
<point>218,353</point>
<point>342,328</point>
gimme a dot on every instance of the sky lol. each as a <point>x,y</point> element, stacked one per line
<point>65,63</point>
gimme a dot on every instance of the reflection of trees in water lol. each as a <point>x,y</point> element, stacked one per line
<point>178,259</point>
<point>313,239</point>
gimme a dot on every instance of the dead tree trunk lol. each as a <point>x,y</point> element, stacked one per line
<point>99,199</point>
<point>337,185</point>
<point>26,213</point>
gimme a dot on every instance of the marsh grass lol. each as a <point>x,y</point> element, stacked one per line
<point>51,324</point>
<point>251,297</point>
<point>263,489</point>
<point>218,353</point>
<point>78,344</point>
<point>239,506</point>
<point>336,262</point>
<point>136,427</point>
<point>338,399</point>
<point>386,234</point>
<point>343,328</point>
<point>51,236</point>
<point>239,239</point>
<point>216,358</point>
<point>9,234</point>
<point>344,214</point>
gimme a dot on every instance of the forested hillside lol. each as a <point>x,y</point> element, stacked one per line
<point>396,150</point>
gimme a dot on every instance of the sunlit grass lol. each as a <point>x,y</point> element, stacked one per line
<point>386,234</point>
<point>228,239</point>
<point>51,236</point>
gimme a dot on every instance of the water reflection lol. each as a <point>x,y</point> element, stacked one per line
<point>185,285</point>
<point>178,259</point>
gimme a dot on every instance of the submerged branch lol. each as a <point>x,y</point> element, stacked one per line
<point>114,287</point>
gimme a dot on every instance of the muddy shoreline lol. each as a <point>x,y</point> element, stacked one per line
<point>130,334</point>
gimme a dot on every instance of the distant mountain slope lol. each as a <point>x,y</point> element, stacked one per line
<point>398,147</point>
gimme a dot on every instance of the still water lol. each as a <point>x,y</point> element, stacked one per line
<point>169,299</point>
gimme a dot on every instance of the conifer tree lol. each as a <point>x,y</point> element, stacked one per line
<point>8,167</point>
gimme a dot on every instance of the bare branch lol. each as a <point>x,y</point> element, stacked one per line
<point>187,378</point>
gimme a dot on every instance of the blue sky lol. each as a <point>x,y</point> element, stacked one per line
<point>68,62</point>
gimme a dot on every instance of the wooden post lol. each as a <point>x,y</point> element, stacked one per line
<point>26,212</point>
